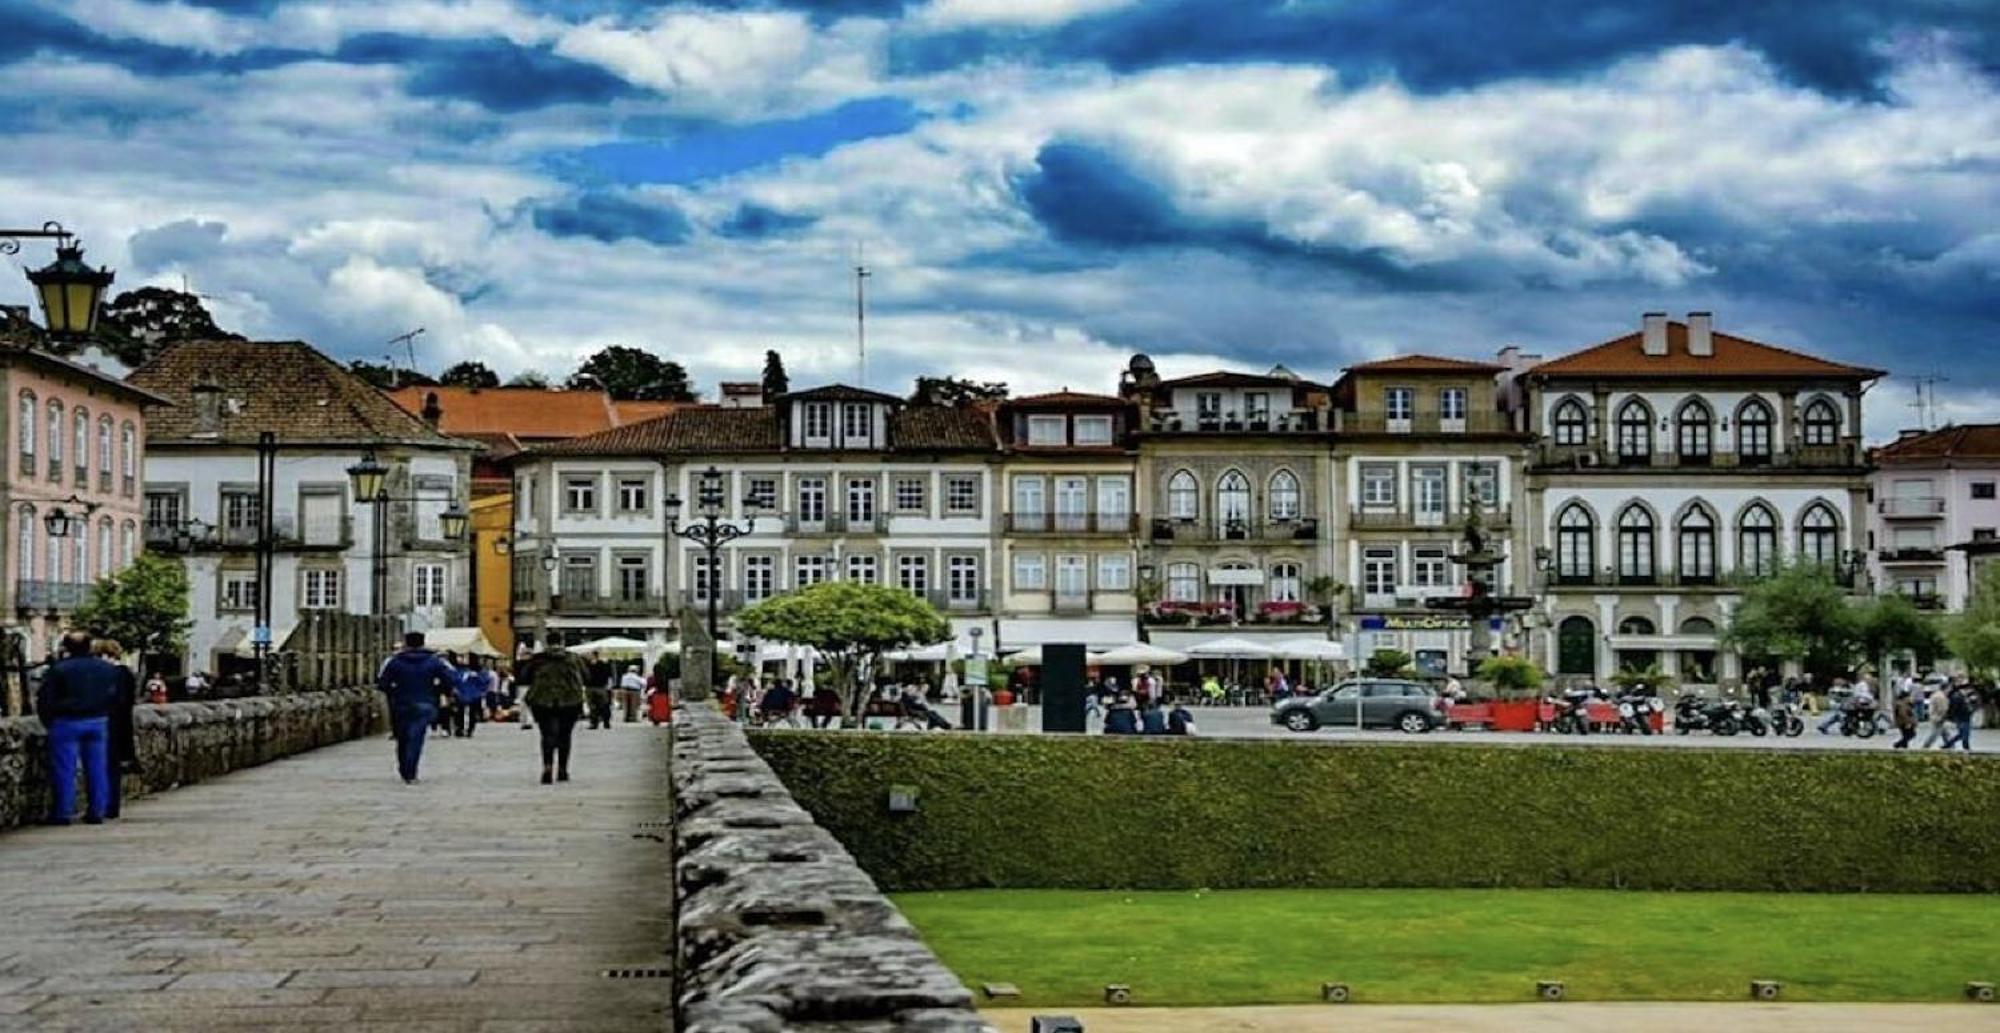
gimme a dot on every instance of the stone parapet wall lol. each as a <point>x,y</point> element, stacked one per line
<point>180,743</point>
<point>776,927</point>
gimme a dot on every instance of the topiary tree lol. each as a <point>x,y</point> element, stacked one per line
<point>851,625</point>
<point>1510,675</point>
<point>144,607</point>
<point>1390,663</point>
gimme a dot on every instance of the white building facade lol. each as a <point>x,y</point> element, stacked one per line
<point>1933,510</point>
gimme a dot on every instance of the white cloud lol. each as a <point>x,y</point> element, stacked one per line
<point>733,65</point>
<point>958,14</point>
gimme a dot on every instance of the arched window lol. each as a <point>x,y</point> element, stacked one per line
<point>1635,626</point>
<point>1576,545</point>
<point>1697,626</point>
<point>1183,496</point>
<point>104,458</point>
<point>1284,496</point>
<point>80,445</point>
<point>1635,546</point>
<point>52,561</point>
<point>1819,535</point>
<point>24,537</point>
<point>1757,541</point>
<point>128,457</point>
<point>25,431</point>
<point>1693,437</point>
<point>1753,433</point>
<point>79,551</point>
<point>1821,423</point>
<point>1635,433</point>
<point>56,432</point>
<point>1694,553</point>
<point>1576,646</point>
<point>1572,423</point>
<point>127,537</point>
<point>1284,582</point>
<point>1232,498</point>
<point>104,538</point>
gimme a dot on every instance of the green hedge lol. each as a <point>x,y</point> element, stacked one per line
<point>1056,812</point>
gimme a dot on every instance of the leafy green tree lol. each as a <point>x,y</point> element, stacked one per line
<point>850,624</point>
<point>1891,624</point>
<point>775,381</point>
<point>469,374</point>
<point>530,378</point>
<point>1974,635</point>
<point>139,324</point>
<point>1389,663</point>
<point>951,391</point>
<point>634,374</point>
<point>1799,613</point>
<point>144,606</point>
<point>388,377</point>
<point>1510,675</point>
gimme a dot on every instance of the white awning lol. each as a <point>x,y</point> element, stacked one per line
<point>1692,643</point>
<point>1231,649</point>
<point>1139,653</point>
<point>1093,632</point>
<point>1230,576</point>
<point>466,640</point>
<point>1309,649</point>
<point>1185,639</point>
<point>613,645</point>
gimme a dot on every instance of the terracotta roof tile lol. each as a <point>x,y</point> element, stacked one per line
<point>1979,441</point>
<point>1064,399</point>
<point>1228,378</point>
<point>526,412</point>
<point>1734,357</point>
<point>840,393</point>
<point>1424,364</point>
<point>629,412</point>
<point>941,428</point>
<point>287,386</point>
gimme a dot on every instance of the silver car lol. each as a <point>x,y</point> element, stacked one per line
<point>1368,702</point>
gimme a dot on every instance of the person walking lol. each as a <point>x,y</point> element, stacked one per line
<point>413,679</point>
<point>75,701</point>
<point>555,695</point>
<point>156,689</point>
<point>630,687</point>
<point>1958,711</point>
<point>1122,716</point>
<point>598,695</point>
<point>124,745</point>
<point>1906,719</point>
<point>1934,707</point>
<point>475,682</point>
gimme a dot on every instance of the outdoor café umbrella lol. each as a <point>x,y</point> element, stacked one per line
<point>614,645</point>
<point>1230,649</point>
<point>1310,649</point>
<point>1138,653</point>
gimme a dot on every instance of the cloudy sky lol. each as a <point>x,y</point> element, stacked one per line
<point>1041,187</point>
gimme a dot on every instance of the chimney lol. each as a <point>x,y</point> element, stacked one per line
<point>1701,333</point>
<point>207,396</point>
<point>1654,326</point>
<point>433,412</point>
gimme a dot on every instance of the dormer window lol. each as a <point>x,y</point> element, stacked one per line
<point>1256,406</point>
<point>857,422</point>
<point>1093,430</point>
<point>1045,430</point>
<point>819,420</point>
<point>1208,406</point>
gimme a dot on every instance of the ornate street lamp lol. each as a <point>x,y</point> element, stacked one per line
<point>60,521</point>
<point>70,290</point>
<point>370,480</point>
<point>711,534</point>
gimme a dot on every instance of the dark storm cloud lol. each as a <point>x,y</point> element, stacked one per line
<point>756,222</point>
<point>611,217</point>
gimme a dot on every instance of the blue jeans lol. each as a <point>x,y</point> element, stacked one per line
<point>1961,734</point>
<point>411,725</point>
<point>69,737</point>
<point>1832,719</point>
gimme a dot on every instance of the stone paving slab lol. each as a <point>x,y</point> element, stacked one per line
<point>1570,1017</point>
<point>319,893</point>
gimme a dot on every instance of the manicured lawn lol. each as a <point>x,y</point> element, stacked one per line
<point>1276,946</point>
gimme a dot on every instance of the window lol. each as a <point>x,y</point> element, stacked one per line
<point>579,494</point>
<point>1635,625</point>
<point>1635,433</point>
<point>1572,423</point>
<point>104,542</point>
<point>163,512</point>
<point>1694,550</point>
<point>1378,572</point>
<point>1693,436</point>
<point>1819,536</point>
<point>427,584</point>
<point>56,432</point>
<point>579,576</point>
<point>1045,430</point>
<point>910,495</point>
<point>819,420</point>
<point>1982,489</point>
<point>128,452</point>
<point>240,518</point>
<point>238,591</point>
<point>1451,403</point>
<point>80,446</point>
<point>1183,582</point>
<point>812,500</point>
<point>26,528</point>
<point>808,571</point>
<point>1072,581</point>
<point>1030,502</point>
<point>1399,403</point>
<point>1114,503</point>
<point>961,495</point>
<point>79,551</point>
<point>1232,498</point>
<point>762,492</point>
<point>1114,572</point>
<point>857,422</point>
<point>1378,485</point>
<point>1031,572</point>
<point>1430,566</point>
<point>863,570</point>
<point>1093,430</point>
<point>1183,497</point>
<point>1821,423</point>
<point>860,502</point>
<point>1757,541</point>
<point>104,458</point>
<point>1982,534</point>
<point>126,545</point>
<point>759,577</point>
<point>913,574</point>
<point>1284,496</point>
<point>1284,582</point>
<point>1635,545</point>
<point>1482,483</point>
<point>1257,406</point>
<point>52,560</point>
<point>25,431</point>
<point>1576,545</point>
<point>635,578</point>
<point>962,577</point>
<point>1208,407</point>
<point>1072,504</point>
<point>1753,433</point>
<point>701,578</point>
<point>322,591</point>
<point>632,495</point>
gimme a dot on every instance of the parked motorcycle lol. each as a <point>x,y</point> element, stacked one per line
<point>1758,722</point>
<point>1858,721</point>
<point>1693,714</point>
<point>1787,721</point>
<point>1635,712</point>
<point>1572,712</point>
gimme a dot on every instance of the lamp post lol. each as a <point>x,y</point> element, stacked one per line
<point>976,716</point>
<point>371,488</point>
<point>70,291</point>
<point>710,533</point>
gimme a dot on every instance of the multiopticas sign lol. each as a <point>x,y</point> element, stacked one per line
<point>1423,622</point>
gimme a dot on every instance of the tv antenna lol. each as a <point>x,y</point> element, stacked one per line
<point>408,341</point>
<point>861,275</point>
<point>1926,401</point>
<point>187,288</point>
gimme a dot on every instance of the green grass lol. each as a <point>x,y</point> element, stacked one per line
<point>1235,947</point>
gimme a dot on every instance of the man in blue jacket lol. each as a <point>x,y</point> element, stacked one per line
<point>412,679</point>
<point>75,703</point>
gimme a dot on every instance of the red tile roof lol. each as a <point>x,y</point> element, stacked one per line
<point>1734,357</point>
<point>1065,399</point>
<point>525,412</point>
<point>708,429</point>
<point>1980,441</point>
<point>1228,378</point>
<point>1424,364</point>
<point>286,386</point>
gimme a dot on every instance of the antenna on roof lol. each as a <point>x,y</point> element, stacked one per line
<point>861,275</point>
<point>188,288</point>
<point>1926,401</point>
<point>408,341</point>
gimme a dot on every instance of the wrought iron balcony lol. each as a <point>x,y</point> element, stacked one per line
<point>59,596</point>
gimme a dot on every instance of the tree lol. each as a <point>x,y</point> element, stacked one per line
<point>139,324</point>
<point>144,606</point>
<point>1892,624</point>
<point>1974,635</point>
<point>775,381</point>
<point>1799,613</point>
<point>851,625</point>
<point>1389,663</point>
<point>951,391</point>
<point>388,377</point>
<point>469,374</point>
<point>1510,675</point>
<point>530,378</point>
<point>631,374</point>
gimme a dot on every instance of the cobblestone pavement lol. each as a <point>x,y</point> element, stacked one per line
<point>1574,1017</point>
<point>320,893</point>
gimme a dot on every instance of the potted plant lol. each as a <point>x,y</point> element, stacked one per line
<point>1515,680</point>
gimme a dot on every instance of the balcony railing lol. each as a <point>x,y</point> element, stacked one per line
<point>945,599</point>
<point>729,600</point>
<point>1222,612</point>
<point>1846,455</point>
<point>61,596</point>
<point>838,523</point>
<point>1924,600</point>
<point>1378,422</point>
<point>608,604</point>
<point>1912,554</point>
<point>1920,507</point>
<point>1072,523</point>
<point>1174,421</point>
<point>1403,519</point>
<point>1191,531</point>
<point>288,534</point>
<point>1731,580</point>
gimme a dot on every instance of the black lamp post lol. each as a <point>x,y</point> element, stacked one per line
<point>70,291</point>
<point>60,521</point>
<point>711,533</point>
<point>370,479</point>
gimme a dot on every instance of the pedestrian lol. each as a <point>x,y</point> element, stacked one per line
<point>1180,720</point>
<point>825,708</point>
<point>1153,719</point>
<point>555,694</point>
<point>1122,716</point>
<point>1906,719</point>
<point>1958,710</point>
<point>156,689</point>
<point>124,743</point>
<point>599,696</point>
<point>413,679</point>
<point>75,701</point>
<point>775,707</point>
<point>444,717</point>
<point>475,683</point>
<point>1935,705</point>
<point>195,685</point>
<point>631,686</point>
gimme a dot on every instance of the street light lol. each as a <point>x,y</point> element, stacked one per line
<point>370,480</point>
<point>60,522</point>
<point>70,290</point>
<point>711,534</point>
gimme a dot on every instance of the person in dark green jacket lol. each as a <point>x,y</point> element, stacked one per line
<point>555,695</point>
